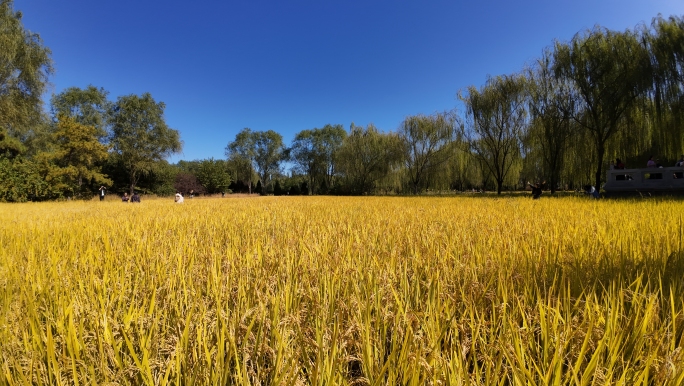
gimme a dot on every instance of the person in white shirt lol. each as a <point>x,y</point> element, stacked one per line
<point>179,198</point>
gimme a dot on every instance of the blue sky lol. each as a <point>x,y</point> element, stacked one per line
<point>290,65</point>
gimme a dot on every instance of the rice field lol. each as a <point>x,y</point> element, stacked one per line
<point>343,291</point>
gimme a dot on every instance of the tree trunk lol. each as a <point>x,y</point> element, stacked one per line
<point>599,170</point>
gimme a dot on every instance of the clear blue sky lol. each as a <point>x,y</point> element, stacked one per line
<point>290,65</point>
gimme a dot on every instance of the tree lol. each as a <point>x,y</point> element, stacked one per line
<point>240,153</point>
<point>313,154</point>
<point>264,150</point>
<point>609,71</point>
<point>550,105</point>
<point>140,136</point>
<point>497,123</point>
<point>366,156</point>
<point>213,175</point>
<point>665,42</point>
<point>74,166</point>
<point>87,106</point>
<point>427,144</point>
<point>186,182</point>
<point>25,66</point>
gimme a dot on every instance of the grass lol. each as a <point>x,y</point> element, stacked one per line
<point>343,291</point>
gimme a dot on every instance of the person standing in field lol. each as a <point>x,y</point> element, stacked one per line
<point>536,190</point>
<point>102,192</point>
<point>125,198</point>
<point>135,197</point>
<point>179,198</point>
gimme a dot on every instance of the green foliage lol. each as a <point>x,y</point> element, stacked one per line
<point>140,136</point>
<point>20,181</point>
<point>240,155</point>
<point>87,106</point>
<point>551,104</point>
<point>497,124</point>
<point>278,189</point>
<point>259,152</point>
<point>366,156</point>
<point>10,147</point>
<point>25,65</point>
<point>609,71</point>
<point>427,144</point>
<point>213,175</point>
<point>313,152</point>
<point>73,168</point>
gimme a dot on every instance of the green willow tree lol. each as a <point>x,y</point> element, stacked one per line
<point>313,153</point>
<point>665,43</point>
<point>366,156</point>
<point>609,71</point>
<point>427,144</point>
<point>139,135</point>
<point>497,123</point>
<point>550,104</point>
<point>257,151</point>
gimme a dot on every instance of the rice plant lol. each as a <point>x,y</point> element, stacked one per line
<point>343,291</point>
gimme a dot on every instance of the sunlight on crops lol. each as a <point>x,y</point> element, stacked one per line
<point>336,291</point>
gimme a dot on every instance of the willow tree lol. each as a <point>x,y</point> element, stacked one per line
<point>427,144</point>
<point>665,42</point>
<point>366,156</point>
<point>257,151</point>
<point>609,72</point>
<point>313,153</point>
<point>550,105</point>
<point>496,124</point>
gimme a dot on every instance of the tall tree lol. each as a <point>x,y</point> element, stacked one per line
<point>240,153</point>
<point>550,105</point>
<point>497,123</point>
<point>269,152</point>
<point>366,156</point>
<point>609,71</point>
<point>74,165</point>
<point>313,153</point>
<point>213,175</point>
<point>427,144</point>
<point>264,151</point>
<point>140,136</point>
<point>665,42</point>
<point>25,65</point>
<point>87,106</point>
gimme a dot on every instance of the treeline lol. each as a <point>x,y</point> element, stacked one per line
<point>603,95</point>
<point>561,120</point>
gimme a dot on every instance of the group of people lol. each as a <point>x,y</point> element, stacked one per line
<point>178,199</point>
<point>134,198</point>
<point>651,163</point>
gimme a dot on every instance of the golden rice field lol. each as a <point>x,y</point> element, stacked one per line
<point>343,291</point>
